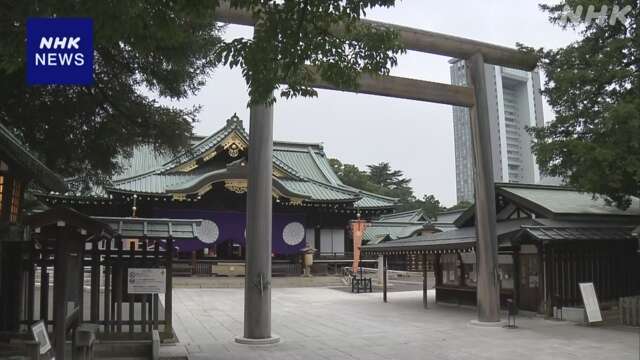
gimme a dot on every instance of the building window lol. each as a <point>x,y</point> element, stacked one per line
<point>450,266</point>
<point>15,202</point>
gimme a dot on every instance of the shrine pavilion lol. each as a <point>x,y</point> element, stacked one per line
<point>312,207</point>
<point>549,240</point>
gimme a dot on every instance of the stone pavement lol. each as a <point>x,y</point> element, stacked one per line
<point>322,323</point>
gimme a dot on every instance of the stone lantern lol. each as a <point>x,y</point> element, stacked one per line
<point>307,259</point>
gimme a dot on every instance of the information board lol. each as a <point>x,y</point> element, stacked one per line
<point>591,305</point>
<point>146,281</point>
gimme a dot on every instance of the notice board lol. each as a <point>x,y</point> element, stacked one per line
<point>146,281</point>
<point>590,300</point>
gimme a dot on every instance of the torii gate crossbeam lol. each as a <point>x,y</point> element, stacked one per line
<point>257,322</point>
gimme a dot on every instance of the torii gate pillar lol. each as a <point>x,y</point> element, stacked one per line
<point>257,286</point>
<point>488,291</point>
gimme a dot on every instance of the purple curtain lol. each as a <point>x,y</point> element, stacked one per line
<point>232,225</point>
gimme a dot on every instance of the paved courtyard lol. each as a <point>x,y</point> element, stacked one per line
<point>323,323</point>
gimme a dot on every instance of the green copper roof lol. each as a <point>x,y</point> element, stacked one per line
<point>302,170</point>
<point>20,156</point>
<point>406,216</point>
<point>559,200</point>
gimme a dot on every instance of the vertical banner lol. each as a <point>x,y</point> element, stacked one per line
<point>357,231</point>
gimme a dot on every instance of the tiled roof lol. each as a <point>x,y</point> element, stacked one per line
<point>557,202</point>
<point>377,231</point>
<point>561,200</point>
<point>608,233</point>
<point>405,216</point>
<point>150,183</point>
<point>461,238</point>
<point>304,170</point>
<point>22,157</point>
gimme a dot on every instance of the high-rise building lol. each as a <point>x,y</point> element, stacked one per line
<point>515,103</point>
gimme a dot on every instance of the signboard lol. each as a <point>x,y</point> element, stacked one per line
<point>590,300</point>
<point>146,281</point>
<point>40,334</point>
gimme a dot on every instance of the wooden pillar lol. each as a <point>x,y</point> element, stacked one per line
<point>118,276</point>
<point>542,282</point>
<point>194,260</point>
<point>424,281</point>
<point>516,275</point>
<point>384,280</point>
<point>131,305</point>
<point>31,282</point>
<point>94,315</point>
<point>257,289</point>
<point>168,296</point>
<point>144,297</point>
<point>107,286</point>
<point>488,289</point>
<point>44,293</point>
<point>59,291</point>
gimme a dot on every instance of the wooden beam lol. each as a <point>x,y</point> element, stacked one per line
<point>384,280</point>
<point>404,88</point>
<point>418,40</point>
<point>425,283</point>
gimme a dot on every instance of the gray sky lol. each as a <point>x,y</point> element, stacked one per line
<point>414,137</point>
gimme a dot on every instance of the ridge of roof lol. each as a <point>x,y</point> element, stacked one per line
<point>233,123</point>
<point>322,169</point>
<point>535,186</point>
<point>21,155</point>
<point>301,144</point>
<point>401,213</point>
<point>370,194</point>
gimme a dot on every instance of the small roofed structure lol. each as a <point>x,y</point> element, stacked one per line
<point>19,168</point>
<point>550,239</point>
<point>407,224</point>
<point>60,238</point>
<point>124,263</point>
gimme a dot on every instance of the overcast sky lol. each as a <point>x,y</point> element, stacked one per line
<point>414,137</point>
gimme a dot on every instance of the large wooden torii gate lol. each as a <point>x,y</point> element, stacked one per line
<point>257,311</point>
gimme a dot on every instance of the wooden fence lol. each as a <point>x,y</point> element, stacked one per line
<point>104,299</point>
<point>630,310</point>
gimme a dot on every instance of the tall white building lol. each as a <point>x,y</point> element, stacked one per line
<point>515,103</point>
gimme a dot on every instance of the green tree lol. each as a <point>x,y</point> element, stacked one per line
<point>292,34</point>
<point>351,175</point>
<point>593,86</point>
<point>431,207</point>
<point>380,179</point>
<point>142,49</point>
<point>460,206</point>
<point>382,175</point>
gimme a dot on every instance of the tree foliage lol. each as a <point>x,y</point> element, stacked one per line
<point>142,49</point>
<point>462,205</point>
<point>593,86</point>
<point>381,179</point>
<point>292,34</point>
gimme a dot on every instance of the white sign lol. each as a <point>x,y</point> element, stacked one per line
<point>146,281</point>
<point>590,300</point>
<point>40,334</point>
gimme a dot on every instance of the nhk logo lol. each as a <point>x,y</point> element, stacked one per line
<point>59,51</point>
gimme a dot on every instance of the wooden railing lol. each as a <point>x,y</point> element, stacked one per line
<point>206,267</point>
